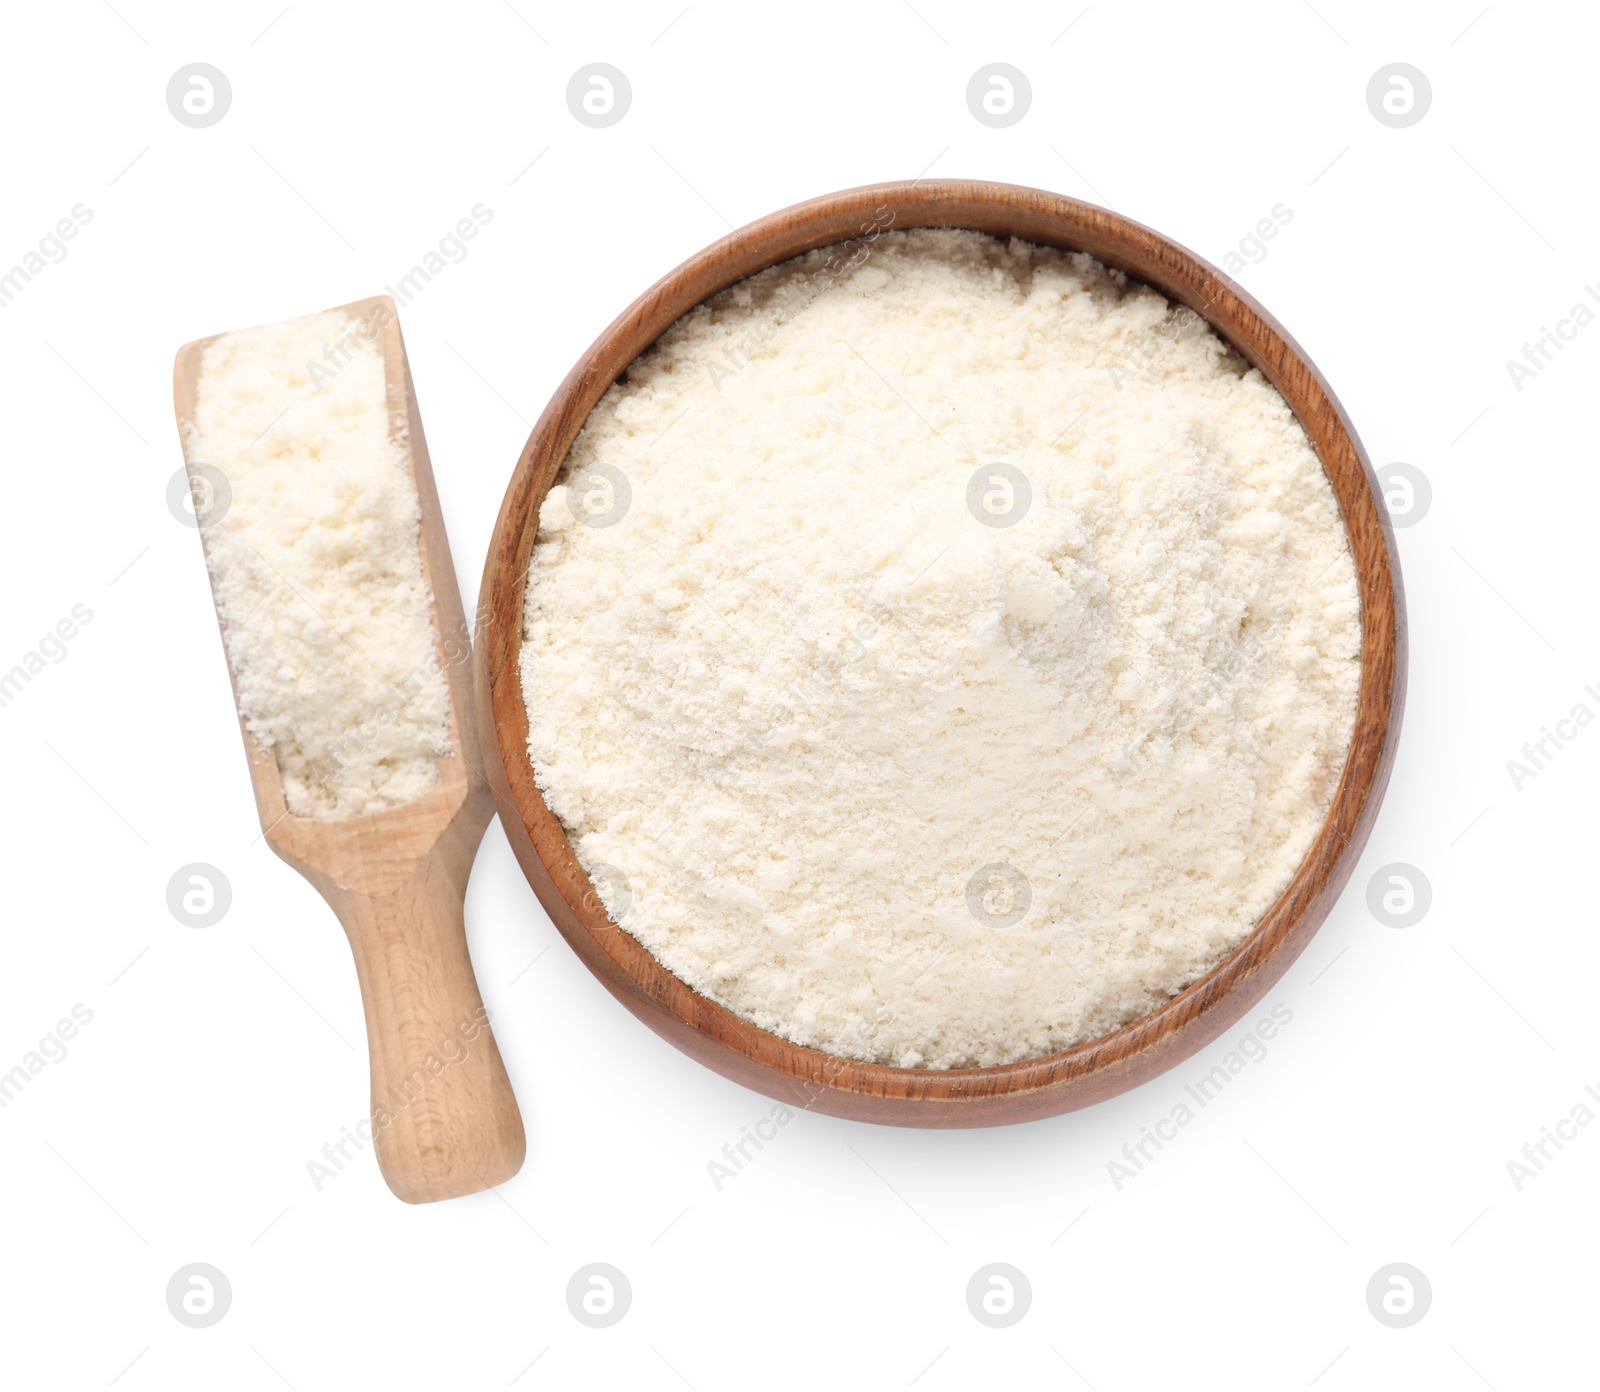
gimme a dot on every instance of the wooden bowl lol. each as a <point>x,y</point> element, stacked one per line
<point>1037,1087</point>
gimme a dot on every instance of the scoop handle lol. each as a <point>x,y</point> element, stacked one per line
<point>444,1119</point>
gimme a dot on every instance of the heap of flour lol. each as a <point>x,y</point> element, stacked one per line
<point>316,564</point>
<point>946,665</point>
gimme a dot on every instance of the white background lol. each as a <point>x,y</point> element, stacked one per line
<point>179,1125</point>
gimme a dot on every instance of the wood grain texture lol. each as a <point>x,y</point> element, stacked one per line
<point>444,1118</point>
<point>966,1097</point>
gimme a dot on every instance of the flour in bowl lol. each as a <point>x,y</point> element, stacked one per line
<point>942,661</point>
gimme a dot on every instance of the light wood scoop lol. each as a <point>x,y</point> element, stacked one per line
<point>444,1118</point>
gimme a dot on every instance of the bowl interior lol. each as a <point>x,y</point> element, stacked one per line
<point>1036,1087</point>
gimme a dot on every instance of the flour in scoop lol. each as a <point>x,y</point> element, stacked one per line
<point>945,659</point>
<point>316,564</point>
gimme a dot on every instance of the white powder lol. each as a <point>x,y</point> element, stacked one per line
<point>808,705</point>
<point>316,566</point>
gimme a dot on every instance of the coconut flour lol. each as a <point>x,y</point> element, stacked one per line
<point>316,566</point>
<point>941,660</point>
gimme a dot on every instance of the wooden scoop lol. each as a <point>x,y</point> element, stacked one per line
<point>444,1119</point>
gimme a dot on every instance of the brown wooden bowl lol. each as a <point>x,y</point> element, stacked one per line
<point>1037,1087</point>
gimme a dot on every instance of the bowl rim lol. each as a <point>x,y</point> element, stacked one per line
<point>1090,1072</point>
